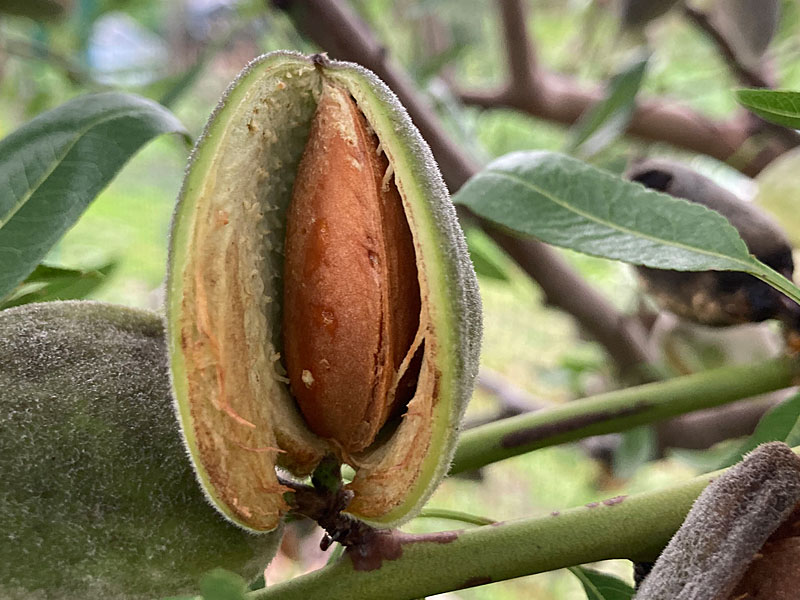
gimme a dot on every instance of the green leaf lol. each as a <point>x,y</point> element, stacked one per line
<point>779,424</point>
<point>454,515</point>
<point>486,256</point>
<point>599,586</point>
<point>603,123</point>
<point>563,201</point>
<point>778,106</point>
<point>220,584</point>
<point>638,446</point>
<point>47,283</point>
<point>52,168</point>
<point>775,426</point>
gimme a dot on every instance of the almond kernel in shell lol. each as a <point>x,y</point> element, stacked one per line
<point>351,296</point>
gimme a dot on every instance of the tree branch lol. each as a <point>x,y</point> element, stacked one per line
<point>634,527</point>
<point>520,54</point>
<point>618,411</point>
<point>746,75</point>
<point>563,100</point>
<point>334,27</point>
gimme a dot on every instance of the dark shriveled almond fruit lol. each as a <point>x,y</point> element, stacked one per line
<point>351,296</point>
<point>348,323</point>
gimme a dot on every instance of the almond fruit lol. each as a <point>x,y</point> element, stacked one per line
<point>99,499</point>
<point>320,297</point>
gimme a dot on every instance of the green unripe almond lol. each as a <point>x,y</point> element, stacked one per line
<point>98,498</point>
<point>228,295</point>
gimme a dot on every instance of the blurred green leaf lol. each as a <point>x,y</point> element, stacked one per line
<point>774,426</point>
<point>454,515</point>
<point>604,122</point>
<point>47,283</point>
<point>565,202</point>
<point>638,446</point>
<point>778,190</point>
<point>599,586</point>
<point>707,460</point>
<point>486,256</point>
<point>38,10</point>
<point>220,584</point>
<point>779,424</point>
<point>52,168</point>
<point>778,106</point>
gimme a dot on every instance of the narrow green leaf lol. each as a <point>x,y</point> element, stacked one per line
<point>775,426</point>
<point>605,121</point>
<point>779,424</point>
<point>778,106</point>
<point>599,586</point>
<point>638,446</point>
<point>53,167</point>
<point>47,283</point>
<point>454,515</point>
<point>336,553</point>
<point>486,257</point>
<point>220,584</point>
<point>563,201</point>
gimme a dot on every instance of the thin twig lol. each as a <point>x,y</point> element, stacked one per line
<point>618,410</point>
<point>745,74</point>
<point>33,50</point>
<point>561,99</point>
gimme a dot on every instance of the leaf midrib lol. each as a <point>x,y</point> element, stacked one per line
<point>614,226</point>
<point>59,160</point>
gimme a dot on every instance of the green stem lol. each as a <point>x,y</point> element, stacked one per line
<point>618,411</point>
<point>636,527</point>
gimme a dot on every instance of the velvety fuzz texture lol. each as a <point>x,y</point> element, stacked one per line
<point>726,528</point>
<point>98,498</point>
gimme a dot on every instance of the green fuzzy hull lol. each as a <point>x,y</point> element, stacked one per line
<point>256,98</point>
<point>98,497</point>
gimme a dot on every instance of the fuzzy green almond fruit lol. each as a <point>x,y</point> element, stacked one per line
<point>98,498</point>
<point>320,298</point>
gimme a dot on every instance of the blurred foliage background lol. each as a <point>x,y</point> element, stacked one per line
<point>184,53</point>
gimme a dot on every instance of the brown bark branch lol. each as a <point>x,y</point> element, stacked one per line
<point>520,53</point>
<point>561,99</point>
<point>761,78</point>
<point>333,26</point>
<point>743,73</point>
